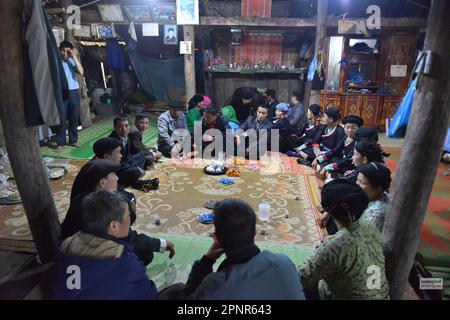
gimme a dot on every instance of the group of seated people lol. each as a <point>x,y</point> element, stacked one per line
<point>97,237</point>
<point>258,113</point>
<point>111,257</point>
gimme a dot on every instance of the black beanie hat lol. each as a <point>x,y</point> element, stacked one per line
<point>91,173</point>
<point>333,113</point>
<point>344,200</point>
<point>176,105</point>
<point>368,134</point>
<point>370,150</point>
<point>377,174</point>
<point>353,119</point>
<point>315,110</point>
<point>105,145</point>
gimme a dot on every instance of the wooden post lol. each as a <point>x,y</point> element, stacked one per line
<point>21,141</point>
<point>189,63</point>
<point>310,96</point>
<point>420,155</point>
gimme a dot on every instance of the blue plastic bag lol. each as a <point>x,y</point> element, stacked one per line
<point>312,69</point>
<point>397,129</point>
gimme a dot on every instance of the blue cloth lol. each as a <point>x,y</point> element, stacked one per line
<point>71,74</point>
<point>206,218</point>
<point>233,126</point>
<point>113,279</point>
<point>116,57</point>
<point>162,80</point>
<point>397,129</point>
<point>312,69</point>
<point>447,142</point>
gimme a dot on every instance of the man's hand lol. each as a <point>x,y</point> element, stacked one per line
<point>314,163</point>
<point>215,252</point>
<point>171,248</point>
<point>141,173</point>
<point>73,52</point>
<point>176,149</point>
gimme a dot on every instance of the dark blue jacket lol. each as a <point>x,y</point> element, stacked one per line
<point>114,279</point>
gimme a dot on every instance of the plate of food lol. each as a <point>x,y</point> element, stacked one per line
<point>217,168</point>
<point>56,173</point>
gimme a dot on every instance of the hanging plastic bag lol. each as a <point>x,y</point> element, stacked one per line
<point>312,69</point>
<point>397,128</point>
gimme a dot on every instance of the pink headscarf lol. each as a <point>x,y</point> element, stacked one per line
<point>206,101</point>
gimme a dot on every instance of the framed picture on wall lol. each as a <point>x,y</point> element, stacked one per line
<point>187,12</point>
<point>171,34</point>
<point>111,12</point>
<point>164,13</point>
<point>103,31</point>
<point>138,13</point>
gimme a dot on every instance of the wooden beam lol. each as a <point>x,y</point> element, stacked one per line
<point>189,63</point>
<point>332,22</point>
<point>257,22</point>
<point>313,96</point>
<point>420,156</point>
<point>22,141</point>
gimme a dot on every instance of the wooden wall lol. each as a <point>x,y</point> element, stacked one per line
<point>256,8</point>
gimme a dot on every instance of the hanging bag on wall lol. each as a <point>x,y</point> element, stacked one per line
<point>397,128</point>
<point>312,69</point>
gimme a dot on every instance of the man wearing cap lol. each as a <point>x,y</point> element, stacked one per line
<point>100,174</point>
<point>349,265</point>
<point>281,123</point>
<point>172,130</point>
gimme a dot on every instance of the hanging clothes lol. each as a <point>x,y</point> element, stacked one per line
<point>43,81</point>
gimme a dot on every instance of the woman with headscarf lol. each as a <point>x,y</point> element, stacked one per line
<point>364,153</point>
<point>311,134</point>
<point>332,134</point>
<point>339,160</point>
<point>343,264</point>
<point>375,179</point>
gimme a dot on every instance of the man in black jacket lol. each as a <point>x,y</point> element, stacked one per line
<point>214,121</point>
<point>100,174</point>
<point>259,124</point>
<point>133,161</point>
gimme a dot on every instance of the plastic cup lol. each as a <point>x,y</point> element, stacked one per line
<point>264,211</point>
